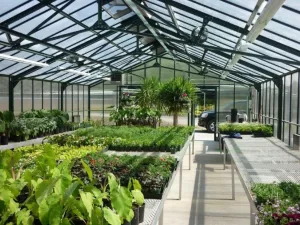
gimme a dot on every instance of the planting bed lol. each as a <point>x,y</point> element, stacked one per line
<point>74,170</point>
<point>257,129</point>
<point>123,138</point>
<point>277,203</point>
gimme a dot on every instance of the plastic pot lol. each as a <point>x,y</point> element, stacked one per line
<point>141,213</point>
<point>135,220</point>
<point>4,140</point>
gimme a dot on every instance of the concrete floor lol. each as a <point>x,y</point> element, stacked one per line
<point>206,192</point>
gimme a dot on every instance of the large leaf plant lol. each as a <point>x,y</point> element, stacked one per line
<point>49,194</point>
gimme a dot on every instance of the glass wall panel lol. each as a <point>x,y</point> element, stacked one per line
<point>37,94</point>
<point>27,95</point>
<point>4,93</point>
<point>226,101</point>
<point>81,102</point>
<point>294,98</point>
<point>55,95</point>
<point>68,102</point>
<point>47,95</point>
<point>17,98</point>
<point>75,100</point>
<point>96,102</point>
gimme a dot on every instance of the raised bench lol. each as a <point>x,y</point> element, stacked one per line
<point>154,208</point>
<point>261,160</point>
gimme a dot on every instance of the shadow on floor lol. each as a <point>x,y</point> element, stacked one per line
<point>208,155</point>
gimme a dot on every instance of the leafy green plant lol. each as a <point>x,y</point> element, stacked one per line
<point>148,96</point>
<point>49,195</point>
<point>7,117</point>
<point>175,96</point>
<point>265,130</point>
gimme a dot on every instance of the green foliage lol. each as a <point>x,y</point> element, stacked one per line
<point>176,95</point>
<point>277,203</point>
<point>125,138</point>
<point>30,154</point>
<point>48,194</point>
<point>246,128</point>
<point>152,172</point>
<point>7,117</point>
<point>148,97</point>
<point>137,116</point>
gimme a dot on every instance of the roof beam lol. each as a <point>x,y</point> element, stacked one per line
<point>134,8</point>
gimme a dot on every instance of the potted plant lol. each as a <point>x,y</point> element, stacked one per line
<point>139,201</point>
<point>176,95</point>
<point>2,128</point>
<point>7,117</point>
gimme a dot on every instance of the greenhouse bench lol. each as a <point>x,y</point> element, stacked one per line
<point>261,160</point>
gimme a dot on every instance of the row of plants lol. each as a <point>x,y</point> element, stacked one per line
<point>35,123</point>
<point>49,194</point>
<point>31,153</point>
<point>153,172</point>
<point>136,116</point>
<point>154,97</point>
<point>162,139</point>
<point>277,203</point>
<point>257,129</point>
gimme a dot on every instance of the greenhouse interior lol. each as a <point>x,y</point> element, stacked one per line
<point>174,112</point>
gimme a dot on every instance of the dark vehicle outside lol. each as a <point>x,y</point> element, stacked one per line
<point>207,118</point>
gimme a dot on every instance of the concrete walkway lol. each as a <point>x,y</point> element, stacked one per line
<point>206,191</point>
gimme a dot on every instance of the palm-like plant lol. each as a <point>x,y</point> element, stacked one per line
<point>148,96</point>
<point>176,96</point>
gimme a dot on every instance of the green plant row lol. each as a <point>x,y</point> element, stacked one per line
<point>31,153</point>
<point>48,194</point>
<point>277,203</point>
<point>32,127</point>
<point>265,130</point>
<point>152,172</point>
<point>123,138</point>
<point>135,115</point>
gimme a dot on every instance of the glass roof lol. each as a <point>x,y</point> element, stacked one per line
<point>74,47</point>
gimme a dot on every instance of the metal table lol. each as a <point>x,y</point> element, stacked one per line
<point>154,208</point>
<point>36,141</point>
<point>261,160</point>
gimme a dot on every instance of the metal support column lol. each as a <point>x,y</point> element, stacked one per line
<point>103,103</point>
<point>278,82</point>
<point>11,85</point>
<point>63,87</point>
<point>258,89</point>
<point>89,102</point>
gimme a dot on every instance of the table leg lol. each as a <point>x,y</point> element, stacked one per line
<point>224,159</point>
<point>161,218</point>
<point>220,145</point>
<point>180,182</point>
<point>194,144</point>
<point>252,216</point>
<point>190,156</point>
<point>232,176</point>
